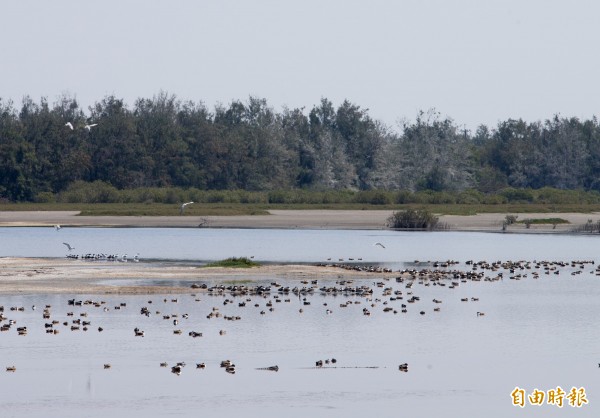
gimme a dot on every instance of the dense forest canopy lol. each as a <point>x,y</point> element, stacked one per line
<point>166,142</point>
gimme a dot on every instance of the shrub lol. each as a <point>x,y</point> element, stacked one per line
<point>44,197</point>
<point>215,196</point>
<point>439,198</point>
<point>412,219</point>
<point>373,197</point>
<point>173,196</point>
<point>277,197</point>
<point>96,192</point>
<point>470,197</point>
<point>494,199</point>
<point>404,196</point>
<point>518,195</point>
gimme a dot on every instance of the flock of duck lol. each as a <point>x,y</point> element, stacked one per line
<point>103,257</point>
<point>389,294</point>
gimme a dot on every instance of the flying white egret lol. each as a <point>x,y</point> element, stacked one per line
<point>182,207</point>
<point>57,227</point>
<point>70,125</point>
<point>380,244</point>
<point>69,246</point>
<point>90,126</point>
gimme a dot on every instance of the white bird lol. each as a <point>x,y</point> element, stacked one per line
<point>70,125</point>
<point>69,246</point>
<point>89,127</point>
<point>182,207</point>
<point>57,227</point>
<point>380,244</point>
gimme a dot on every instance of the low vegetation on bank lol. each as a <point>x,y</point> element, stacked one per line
<point>102,199</point>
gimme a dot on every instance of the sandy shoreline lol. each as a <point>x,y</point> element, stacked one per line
<point>290,219</point>
<point>41,275</point>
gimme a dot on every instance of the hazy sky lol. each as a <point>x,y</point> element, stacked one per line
<point>475,61</point>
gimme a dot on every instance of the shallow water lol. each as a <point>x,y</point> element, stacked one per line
<point>274,245</point>
<point>536,333</point>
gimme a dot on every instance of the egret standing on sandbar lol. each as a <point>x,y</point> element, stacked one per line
<point>182,207</point>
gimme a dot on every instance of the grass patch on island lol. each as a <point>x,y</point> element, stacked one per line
<point>234,262</point>
<point>543,221</point>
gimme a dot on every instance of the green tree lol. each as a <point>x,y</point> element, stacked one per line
<point>117,155</point>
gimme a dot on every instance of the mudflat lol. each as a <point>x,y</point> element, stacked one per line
<point>48,275</point>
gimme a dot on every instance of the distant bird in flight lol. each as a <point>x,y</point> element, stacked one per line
<point>69,246</point>
<point>89,127</point>
<point>182,207</point>
<point>380,244</point>
<point>70,125</point>
<point>57,227</point>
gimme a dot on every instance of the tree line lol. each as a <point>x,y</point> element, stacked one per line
<point>164,142</point>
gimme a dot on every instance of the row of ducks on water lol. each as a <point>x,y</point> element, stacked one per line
<point>103,257</point>
<point>358,267</point>
<point>228,365</point>
<point>242,290</point>
<point>177,368</point>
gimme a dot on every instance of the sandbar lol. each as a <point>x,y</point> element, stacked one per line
<point>49,275</point>
<point>292,219</point>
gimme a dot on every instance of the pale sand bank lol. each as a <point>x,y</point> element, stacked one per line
<point>290,219</point>
<point>38,275</point>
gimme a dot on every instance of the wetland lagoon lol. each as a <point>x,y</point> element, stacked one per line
<point>474,316</point>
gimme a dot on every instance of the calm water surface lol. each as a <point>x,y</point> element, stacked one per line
<point>294,245</point>
<point>536,333</point>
